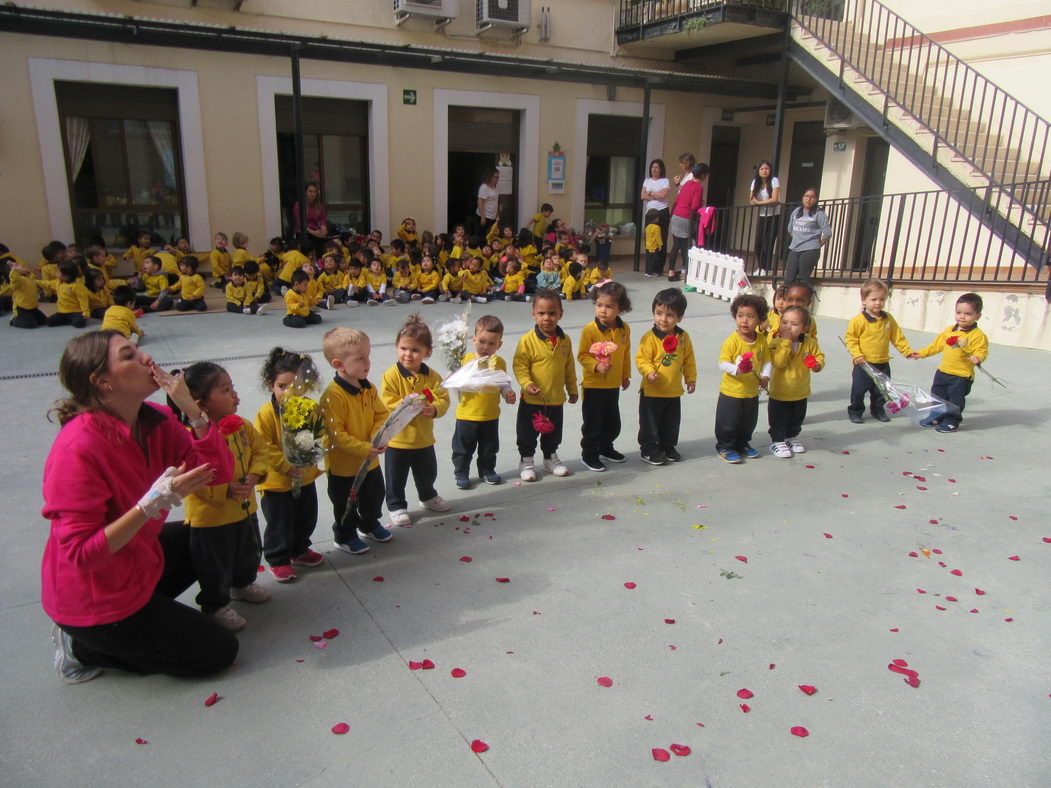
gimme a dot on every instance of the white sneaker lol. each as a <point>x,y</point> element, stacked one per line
<point>456,300</point>
<point>352,303</point>
<point>526,470</point>
<point>246,311</point>
<point>796,446</point>
<point>554,466</point>
<point>229,619</point>
<point>443,297</point>
<point>480,300</point>
<point>372,302</point>
<point>400,518</point>
<point>260,310</point>
<point>507,298</point>
<point>253,592</point>
<point>284,290</point>
<point>330,302</point>
<point>415,297</point>
<point>427,300</point>
<point>436,504</point>
<point>780,449</point>
<point>71,669</point>
<point>390,302</point>
<point>529,299</point>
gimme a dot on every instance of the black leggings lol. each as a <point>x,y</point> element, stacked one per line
<point>163,636</point>
<point>677,245</point>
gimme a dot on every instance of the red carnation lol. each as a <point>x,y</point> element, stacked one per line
<point>428,395</point>
<point>952,341</point>
<point>542,424</point>
<point>810,362</point>
<point>746,363</point>
<point>671,342</point>
<point>228,425</point>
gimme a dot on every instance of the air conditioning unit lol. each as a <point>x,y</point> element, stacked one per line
<point>838,116</point>
<point>508,15</point>
<point>441,12</point>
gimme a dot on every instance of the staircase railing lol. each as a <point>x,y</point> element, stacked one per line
<point>966,112</point>
<point>914,237</point>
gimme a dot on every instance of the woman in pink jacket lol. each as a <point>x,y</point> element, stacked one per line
<point>683,212</point>
<point>112,568</point>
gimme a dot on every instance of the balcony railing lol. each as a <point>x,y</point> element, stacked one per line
<point>916,237</point>
<point>636,13</point>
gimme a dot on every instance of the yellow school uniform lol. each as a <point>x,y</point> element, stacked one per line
<point>681,364</point>
<point>353,284</point>
<point>398,383</point>
<point>23,291</point>
<point>330,283</point>
<point>452,283</point>
<point>476,284</point>
<point>72,296</point>
<point>100,299</point>
<point>277,480</point>
<point>428,280</point>
<point>743,385</point>
<point>377,282</point>
<point>572,288</point>
<point>298,303</point>
<point>654,241</point>
<point>266,273</point>
<point>512,282</point>
<point>790,376</point>
<point>169,263</point>
<point>546,364</point>
<point>122,319</point>
<point>137,254</point>
<point>254,289</point>
<point>353,414</point>
<point>240,257</point>
<point>527,253</point>
<point>154,284</point>
<point>406,281</point>
<point>190,287</point>
<point>406,236</point>
<point>539,225</point>
<point>47,272</point>
<point>212,506</point>
<point>870,337</point>
<point>481,405</point>
<point>220,262</point>
<point>619,364</point>
<point>956,357</point>
<point>238,295</point>
<point>293,260</point>
<point>315,291</point>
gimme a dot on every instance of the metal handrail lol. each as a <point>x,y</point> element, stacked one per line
<point>966,112</point>
<point>633,13</point>
<point>924,237</point>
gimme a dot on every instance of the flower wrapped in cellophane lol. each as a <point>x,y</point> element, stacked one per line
<point>303,435</point>
<point>452,337</point>
<point>907,398</point>
<point>478,375</point>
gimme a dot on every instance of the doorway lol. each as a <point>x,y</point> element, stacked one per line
<point>872,182</point>
<point>807,159</point>
<point>722,181</point>
<point>481,140</point>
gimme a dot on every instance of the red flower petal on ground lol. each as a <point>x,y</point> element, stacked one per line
<point>458,673</point>
<point>479,746</point>
<point>377,579</point>
<point>811,467</point>
<point>503,580</point>
<point>466,559</point>
<point>1008,620</point>
<point>933,522</point>
<point>1014,558</point>
<point>843,495</point>
<point>799,730</point>
<point>939,607</point>
<point>979,592</point>
<point>604,681</point>
<point>920,591</point>
<point>331,633</point>
<point>741,558</point>
<point>951,599</point>
<point>680,749</point>
<point>673,648</point>
<point>464,518</point>
<point>906,473</point>
<point>660,754</point>
<point>912,681</point>
<point>669,621</point>
<point>648,717</point>
<point>845,451</point>
<point>1011,517</point>
<point>300,660</point>
<point>701,724</point>
<point>936,551</point>
<point>918,487</point>
<point>316,638</point>
<point>745,694</point>
<point>772,666</point>
<point>894,629</point>
<point>900,506</point>
<point>828,535</point>
<point>141,741</point>
<point>720,642</point>
<point>1047,539</point>
<point>212,699</point>
<point>900,663</point>
<point>340,728</point>
<point>745,708</point>
<point>951,481</point>
<point>942,564</point>
<point>973,610</point>
<point>608,517</point>
<point>920,478</point>
<point>914,554</point>
<point>415,665</point>
<point>629,585</point>
<point>956,572</point>
<point>427,665</point>
<point>809,689</point>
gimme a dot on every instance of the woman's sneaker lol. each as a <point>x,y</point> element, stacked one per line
<point>253,592</point>
<point>672,455</point>
<point>593,464</point>
<point>731,457</point>
<point>229,619</point>
<point>796,446</point>
<point>71,669</point>
<point>656,458</point>
<point>780,449</point>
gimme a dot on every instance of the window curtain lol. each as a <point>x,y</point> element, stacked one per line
<point>78,135</point>
<point>161,135</point>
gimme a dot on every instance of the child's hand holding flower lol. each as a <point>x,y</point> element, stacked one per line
<point>744,365</point>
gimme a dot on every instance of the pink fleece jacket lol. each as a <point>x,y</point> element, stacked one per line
<point>96,472</point>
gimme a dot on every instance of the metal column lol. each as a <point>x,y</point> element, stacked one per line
<point>639,215</point>
<point>782,91</point>
<point>297,122</point>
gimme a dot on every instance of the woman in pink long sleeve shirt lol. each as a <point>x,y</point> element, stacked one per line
<point>111,567</point>
<point>683,211</point>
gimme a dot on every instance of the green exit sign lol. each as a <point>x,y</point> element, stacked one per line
<point>408,97</point>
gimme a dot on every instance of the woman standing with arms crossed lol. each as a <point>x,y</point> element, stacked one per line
<point>112,568</point>
<point>488,202</point>
<point>766,193</point>
<point>655,197</point>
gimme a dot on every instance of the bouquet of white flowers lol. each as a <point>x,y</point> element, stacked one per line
<point>452,339</point>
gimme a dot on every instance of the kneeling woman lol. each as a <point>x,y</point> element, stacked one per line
<point>112,568</point>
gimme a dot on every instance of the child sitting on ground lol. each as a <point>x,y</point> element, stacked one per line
<point>548,276</point>
<point>298,303</point>
<point>574,286</point>
<point>429,281</point>
<point>513,288</point>
<point>190,287</point>
<point>476,282</point>
<point>119,317</point>
<point>73,306</point>
<point>452,283</point>
<point>17,283</point>
<point>240,298</point>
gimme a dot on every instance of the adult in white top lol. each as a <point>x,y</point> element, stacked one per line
<point>488,199</point>
<point>766,194</point>
<point>655,196</point>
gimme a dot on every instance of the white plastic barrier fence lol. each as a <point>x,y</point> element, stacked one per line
<point>714,273</point>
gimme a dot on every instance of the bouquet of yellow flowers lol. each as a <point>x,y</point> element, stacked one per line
<point>303,437</point>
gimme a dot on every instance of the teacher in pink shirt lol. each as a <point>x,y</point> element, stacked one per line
<point>112,567</point>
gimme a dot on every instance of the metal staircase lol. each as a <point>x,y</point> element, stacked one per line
<point>969,135</point>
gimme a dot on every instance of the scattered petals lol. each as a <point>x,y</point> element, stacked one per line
<point>811,467</point>
<point>648,717</point>
<point>809,689</point>
<point>799,730</point>
<point>772,666</point>
<point>979,592</point>
<point>464,518</point>
<point>828,536</point>
<point>900,506</point>
<point>503,580</point>
<point>920,591</point>
<point>745,708</point>
<point>608,517</point>
<point>1014,558</point>
<point>974,610</point>
<point>844,495</point>
<point>745,694</point>
<point>316,638</point>
<point>415,665</point>
<point>660,754</point>
<point>212,699</point>
<point>956,572</point>
<point>900,663</point>
<point>951,599</point>
<point>458,673</point>
<point>914,554</point>
<point>920,478</point>
<point>340,728</point>
<point>377,579</point>
<point>552,509</point>
<point>1008,620</point>
<point>951,481</point>
<point>141,741</point>
<point>479,746</point>
<point>321,644</point>
<point>300,660</point>
<point>912,681</point>
<point>894,629</point>
<point>427,665</point>
<point>701,724</point>
<point>680,749</point>
<point>933,522</point>
<point>939,607</point>
<point>1047,539</point>
<point>936,551</point>
<point>844,452</point>
<point>604,681</point>
<point>1011,517</point>
<point>466,559</point>
<point>629,585</point>
<point>331,633</point>
<point>741,558</point>
<point>669,621</point>
<point>918,487</point>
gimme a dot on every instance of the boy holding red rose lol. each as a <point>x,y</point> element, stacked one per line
<point>746,367</point>
<point>665,360</point>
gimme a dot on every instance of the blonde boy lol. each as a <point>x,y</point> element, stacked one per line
<point>868,338</point>
<point>353,412</point>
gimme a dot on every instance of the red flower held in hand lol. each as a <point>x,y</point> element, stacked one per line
<point>542,424</point>
<point>745,364</point>
<point>428,395</point>
<point>671,342</point>
<point>810,361</point>
<point>952,341</point>
<point>228,425</point>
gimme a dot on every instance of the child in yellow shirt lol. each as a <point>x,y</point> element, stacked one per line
<point>429,281</point>
<point>119,317</point>
<point>331,281</point>
<point>73,306</point>
<point>224,529</point>
<point>140,250</point>
<point>665,360</point>
<point>220,260</point>
<point>794,354</point>
<point>963,347</point>
<point>190,287</point>
<point>513,288</point>
<point>573,284</point>
<point>413,448</point>
<point>478,413</point>
<point>544,367</point>
<point>654,243</point>
<point>476,284</point>
<point>868,338</point>
<point>158,293</point>
<point>745,363</point>
<point>452,283</point>
<point>17,283</point>
<point>241,296</point>
<point>100,297</point>
<point>404,283</point>
<point>298,303</point>
<point>540,221</point>
<point>353,413</point>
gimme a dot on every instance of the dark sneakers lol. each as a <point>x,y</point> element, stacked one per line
<point>593,464</point>
<point>612,455</point>
<point>672,455</point>
<point>657,458</point>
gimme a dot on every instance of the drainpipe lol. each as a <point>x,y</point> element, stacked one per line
<point>639,215</point>
<point>297,123</point>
